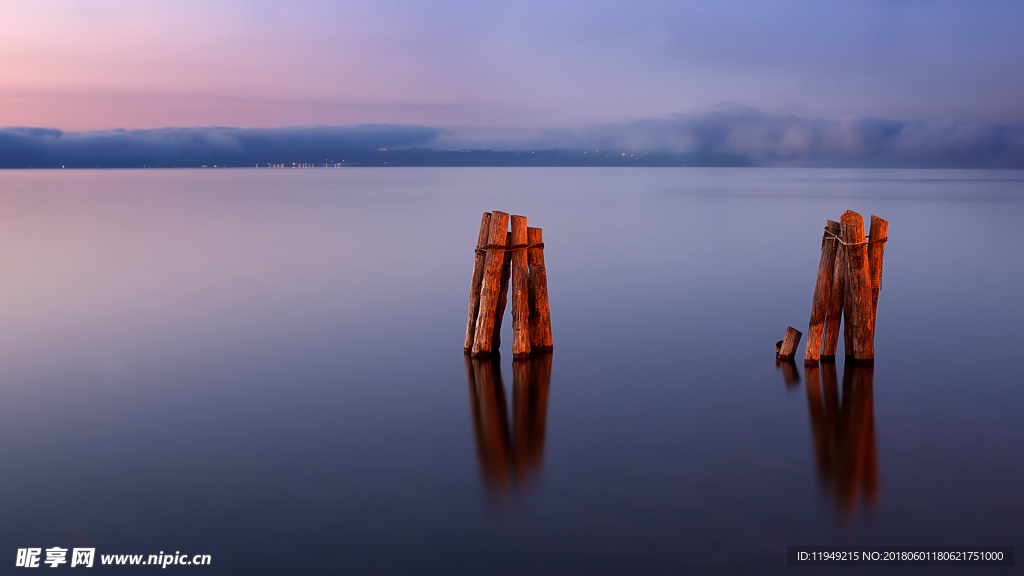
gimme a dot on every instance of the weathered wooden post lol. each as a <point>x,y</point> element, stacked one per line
<point>540,314</point>
<point>876,252</point>
<point>858,288</point>
<point>478,277</point>
<point>847,323</point>
<point>499,315</point>
<point>834,315</point>
<point>491,285</point>
<point>785,349</point>
<point>520,289</point>
<point>822,288</point>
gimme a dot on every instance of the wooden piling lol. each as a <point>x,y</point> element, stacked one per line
<point>499,315</point>
<point>876,253</point>
<point>478,277</point>
<point>540,314</point>
<point>822,288</point>
<point>834,314</point>
<point>859,289</point>
<point>789,344</point>
<point>491,284</point>
<point>520,290</point>
<point>847,323</point>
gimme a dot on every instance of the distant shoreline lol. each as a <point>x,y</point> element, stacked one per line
<point>429,158</point>
<point>417,157</point>
<point>903,146</point>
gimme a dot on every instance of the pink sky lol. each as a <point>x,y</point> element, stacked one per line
<point>80,65</point>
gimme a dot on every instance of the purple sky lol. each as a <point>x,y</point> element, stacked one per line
<point>485,70</point>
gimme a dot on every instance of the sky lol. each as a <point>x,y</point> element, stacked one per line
<point>502,73</point>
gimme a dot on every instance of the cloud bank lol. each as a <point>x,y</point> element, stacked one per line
<point>785,140</point>
<point>722,136</point>
<point>190,147</point>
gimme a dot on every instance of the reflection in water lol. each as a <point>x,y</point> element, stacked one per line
<point>790,375</point>
<point>844,433</point>
<point>509,458</point>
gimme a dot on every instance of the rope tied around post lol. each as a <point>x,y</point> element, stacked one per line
<point>497,248</point>
<point>835,237</point>
<point>866,241</point>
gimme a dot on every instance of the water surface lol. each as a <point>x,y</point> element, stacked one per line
<point>266,366</point>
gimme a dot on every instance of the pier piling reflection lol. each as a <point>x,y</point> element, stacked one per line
<point>790,374</point>
<point>846,454</point>
<point>511,457</point>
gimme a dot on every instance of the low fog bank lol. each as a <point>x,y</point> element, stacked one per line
<point>722,136</point>
<point>786,140</point>
<point>194,147</point>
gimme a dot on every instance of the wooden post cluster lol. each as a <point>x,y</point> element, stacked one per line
<point>846,290</point>
<point>508,262</point>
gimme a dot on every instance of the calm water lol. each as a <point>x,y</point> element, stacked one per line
<point>266,366</point>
